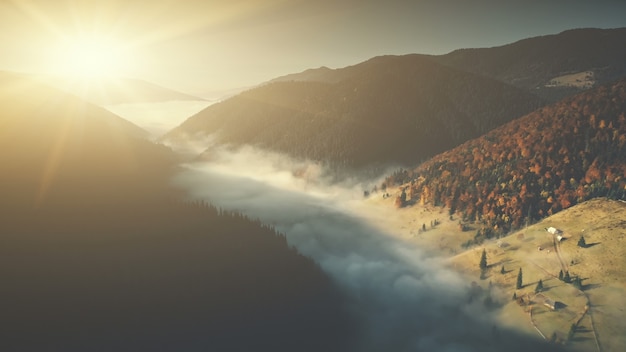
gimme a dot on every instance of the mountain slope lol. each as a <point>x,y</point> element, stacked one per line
<point>99,255</point>
<point>56,147</point>
<point>600,267</point>
<point>166,278</point>
<point>534,166</point>
<point>387,110</point>
<point>535,63</point>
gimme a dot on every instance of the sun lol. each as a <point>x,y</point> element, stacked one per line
<point>91,56</point>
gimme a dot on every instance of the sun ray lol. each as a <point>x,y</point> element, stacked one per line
<point>54,160</point>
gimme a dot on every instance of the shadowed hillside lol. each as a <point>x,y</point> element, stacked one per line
<point>98,255</point>
<point>167,278</point>
<point>534,63</point>
<point>532,167</point>
<point>387,110</point>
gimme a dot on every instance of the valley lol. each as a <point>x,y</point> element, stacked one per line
<point>464,200</point>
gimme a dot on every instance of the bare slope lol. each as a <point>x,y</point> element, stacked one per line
<point>597,309</point>
<point>387,110</point>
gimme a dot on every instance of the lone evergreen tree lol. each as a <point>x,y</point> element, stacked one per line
<point>502,271</point>
<point>483,260</point>
<point>567,278</point>
<point>577,282</point>
<point>519,279</point>
<point>581,242</point>
<point>561,275</point>
<point>539,287</point>
<point>572,330</point>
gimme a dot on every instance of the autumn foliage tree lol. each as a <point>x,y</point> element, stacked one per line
<point>534,166</point>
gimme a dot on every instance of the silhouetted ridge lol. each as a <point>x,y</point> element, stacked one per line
<point>531,63</point>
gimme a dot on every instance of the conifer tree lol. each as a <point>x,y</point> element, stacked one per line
<point>581,242</point>
<point>483,260</point>
<point>519,279</point>
<point>403,196</point>
<point>577,283</point>
<point>571,332</point>
<point>561,275</point>
<point>502,271</point>
<point>567,278</point>
<point>539,287</point>
<point>553,338</point>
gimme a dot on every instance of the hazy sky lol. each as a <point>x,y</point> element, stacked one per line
<point>204,45</point>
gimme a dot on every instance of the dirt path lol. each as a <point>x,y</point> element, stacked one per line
<point>532,321</point>
<point>593,326</point>
<point>588,310</point>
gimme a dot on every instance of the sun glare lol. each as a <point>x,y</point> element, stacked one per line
<point>87,57</point>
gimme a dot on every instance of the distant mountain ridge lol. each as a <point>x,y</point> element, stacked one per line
<point>533,62</point>
<point>110,91</point>
<point>387,110</point>
<point>321,74</point>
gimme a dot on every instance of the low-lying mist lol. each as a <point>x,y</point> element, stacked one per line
<point>404,298</point>
<point>158,117</point>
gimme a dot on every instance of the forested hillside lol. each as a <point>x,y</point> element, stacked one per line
<point>387,110</point>
<point>99,254</point>
<point>168,278</point>
<point>532,167</point>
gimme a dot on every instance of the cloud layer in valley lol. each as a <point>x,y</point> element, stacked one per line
<point>406,299</point>
<point>158,117</point>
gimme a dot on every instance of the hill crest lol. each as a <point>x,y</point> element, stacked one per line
<point>532,63</point>
<point>391,109</point>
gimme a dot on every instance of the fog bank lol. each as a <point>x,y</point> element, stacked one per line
<point>406,299</point>
<point>158,117</point>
